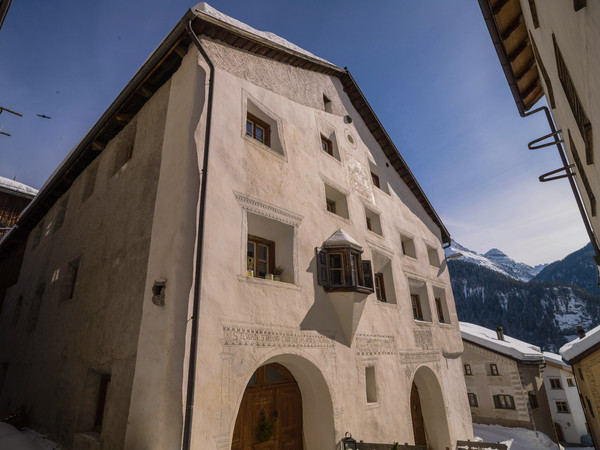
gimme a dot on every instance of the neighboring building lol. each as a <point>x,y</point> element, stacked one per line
<point>233,254</point>
<point>563,397</point>
<point>583,354</point>
<point>552,48</point>
<point>14,198</point>
<point>504,382</point>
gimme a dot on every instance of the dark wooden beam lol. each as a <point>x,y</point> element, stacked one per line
<point>124,117</point>
<point>512,27</point>
<point>498,6</point>
<point>529,89</point>
<point>525,69</point>
<point>517,51</point>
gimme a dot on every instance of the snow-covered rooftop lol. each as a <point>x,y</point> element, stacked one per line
<point>511,347</point>
<point>577,346</point>
<point>7,184</point>
<point>205,8</point>
<point>554,358</point>
<point>341,239</point>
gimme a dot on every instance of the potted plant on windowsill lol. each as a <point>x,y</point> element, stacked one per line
<point>277,273</point>
<point>250,267</point>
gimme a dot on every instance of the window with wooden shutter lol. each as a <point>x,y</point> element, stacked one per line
<point>341,269</point>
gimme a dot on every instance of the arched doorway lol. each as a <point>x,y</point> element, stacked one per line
<point>430,425</point>
<point>270,415</point>
<point>416,414</point>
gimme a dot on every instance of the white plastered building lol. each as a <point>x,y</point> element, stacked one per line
<point>235,253</point>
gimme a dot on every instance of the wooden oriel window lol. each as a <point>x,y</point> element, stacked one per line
<point>416,307</point>
<point>380,287</point>
<point>555,383</point>
<point>375,179</point>
<point>493,369</point>
<point>258,129</point>
<point>440,310</point>
<point>562,407</point>
<point>341,269</point>
<point>468,369</point>
<point>260,256</point>
<point>473,400</point>
<point>504,402</point>
<point>326,145</point>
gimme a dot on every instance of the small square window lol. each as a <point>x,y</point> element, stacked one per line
<point>533,402</point>
<point>494,369</point>
<point>380,287</point>
<point>408,247</point>
<point>468,369</point>
<point>416,307</point>
<point>260,256</point>
<point>375,179</point>
<point>373,222</point>
<point>504,402</point>
<point>562,407</point>
<point>327,105</point>
<point>570,382</point>
<point>336,202</point>
<point>257,129</point>
<point>434,259</point>
<point>326,145</point>
<point>555,383</point>
<point>473,400</point>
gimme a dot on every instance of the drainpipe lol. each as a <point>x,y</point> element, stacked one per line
<point>191,381</point>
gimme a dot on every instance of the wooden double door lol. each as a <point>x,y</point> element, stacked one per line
<point>270,415</point>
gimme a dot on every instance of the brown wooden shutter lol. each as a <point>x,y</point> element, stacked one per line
<point>367,274</point>
<point>322,273</point>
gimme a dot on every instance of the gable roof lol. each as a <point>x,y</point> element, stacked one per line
<point>579,348</point>
<point>160,66</point>
<point>511,347</point>
<point>16,188</point>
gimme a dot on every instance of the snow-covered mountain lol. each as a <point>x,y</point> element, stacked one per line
<point>496,260</point>
<point>544,310</point>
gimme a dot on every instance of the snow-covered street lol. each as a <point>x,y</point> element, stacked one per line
<point>518,438</point>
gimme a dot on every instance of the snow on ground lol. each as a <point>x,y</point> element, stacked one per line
<point>518,438</point>
<point>13,439</point>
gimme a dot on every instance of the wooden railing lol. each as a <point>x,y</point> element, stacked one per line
<point>369,446</point>
<point>471,445</point>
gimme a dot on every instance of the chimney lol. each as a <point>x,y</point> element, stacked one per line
<point>580,332</point>
<point>499,332</point>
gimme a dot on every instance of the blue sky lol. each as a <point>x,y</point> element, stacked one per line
<point>428,68</point>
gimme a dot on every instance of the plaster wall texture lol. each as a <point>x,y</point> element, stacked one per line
<point>245,322</point>
<point>573,422</point>
<point>578,36</point>
<point>57,346</point>
<point>587,372</point>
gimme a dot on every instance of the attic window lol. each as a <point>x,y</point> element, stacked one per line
<point>340,268</point>
<point>262,127</point>
<point>327,105</point>
<point>259,130</point>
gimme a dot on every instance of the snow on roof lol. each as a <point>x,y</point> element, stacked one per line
<point>341,239</point>
<point>554,358</point>
<point>510,346</point>
<point>205,8</point>
<point>577,346</point>
<point>15,186</point>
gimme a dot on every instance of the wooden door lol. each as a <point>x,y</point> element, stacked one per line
<point>559,432</point>
<point>417,417</point>
<point>272,401</point>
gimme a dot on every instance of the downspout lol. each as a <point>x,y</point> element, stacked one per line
<point>191,381</point>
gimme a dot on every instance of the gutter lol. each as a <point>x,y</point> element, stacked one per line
<point>191,380</point>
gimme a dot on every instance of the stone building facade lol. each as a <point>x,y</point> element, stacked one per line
<point>504,381</point>
<point>236,252</point>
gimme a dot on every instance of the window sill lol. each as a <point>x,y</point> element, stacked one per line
<point>446,325</point>
<point>264,147</point>
<point>331,157</point>
<point>385,304</point>
<point>372,405</point>
<point>374,233</point>
<point>263,282</point>
<point>423,323</point>
<point>337,216</point>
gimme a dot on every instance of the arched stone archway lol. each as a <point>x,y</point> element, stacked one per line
<point>315,405</point>
<point>426,394</point>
